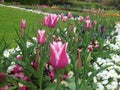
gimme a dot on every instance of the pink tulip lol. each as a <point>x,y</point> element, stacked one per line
<point>88,24</point>
<point>23,24</point>
<point>35,65</point>
<point>94,23</point>
<point>62,15</point>
<point>19,57</point>
<point>41,37</point>
<point>58,55</point>
<point>64,19</point>
<point>87,17</point>
<point>90,48</point>
<point>51,20</point>
<point>45,21</point>
<point>69,14</point>
<point>81,19</point>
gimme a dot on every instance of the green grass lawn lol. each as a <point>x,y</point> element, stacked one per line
<point>10,21</point>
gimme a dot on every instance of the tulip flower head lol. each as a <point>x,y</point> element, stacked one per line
<point>58,55</point>
<point>19,57</point>
<point>87,17</point>
<point>88,24</point>
<point>45,21</point>
<point>62,15</point>
<point>64,19</point>
<point>51,20</point>
<point>41,37</point>
<point>69,14</point>
<point>23,24</point>
<point>81,19</point>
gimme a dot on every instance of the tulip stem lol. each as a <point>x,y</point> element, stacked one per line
<point>58,79</point>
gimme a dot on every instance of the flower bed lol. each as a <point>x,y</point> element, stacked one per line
<point>75,58</point>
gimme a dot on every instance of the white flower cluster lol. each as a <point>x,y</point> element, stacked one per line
<point>8,52</point>
<point>109,79</point>
<point>115,46</point>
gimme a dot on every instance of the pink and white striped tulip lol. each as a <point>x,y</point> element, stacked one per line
<point>69,14</point>
<point>62,15</point>
<point>87,17</point>
<point>45,21</point>
<point>58,55</point>
<point>41,37</point>
<point>81,19</point>
<point>88,24</point>
<point>64,19</point>
<point>23,24</point>
<point>51,20</point>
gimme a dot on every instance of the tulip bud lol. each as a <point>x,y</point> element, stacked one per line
<point>23,26</point>
<point>45,21</point>
<point>64,19</point>
<point>79,64</point>
<point>19,57</point>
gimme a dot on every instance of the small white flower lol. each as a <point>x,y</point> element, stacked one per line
<point>20,84</point>
<point>10,68</point>
<point>95,79</point>
<point>28,44</point>
<point>99,60</point>
<point>96,66</point>
<point>55,81</point>
<point>6,53</point>
<point>115,85</point>
<point>70,74</point>
<point>74,30</point>
<point>11,51</point>
<point>64,83</point>
<point>18,48</point>
<point>89,73</point>
<point>100,86</point>
<point>34,38</point>
<point>105,82</point>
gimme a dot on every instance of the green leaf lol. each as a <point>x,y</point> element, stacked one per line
<point>71,83</point>
<point>50,87</point>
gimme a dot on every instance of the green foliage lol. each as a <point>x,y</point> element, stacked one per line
<point>9,23</point>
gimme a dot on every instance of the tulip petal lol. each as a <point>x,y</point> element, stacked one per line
<point>63,57</point>
<point>53,55</point>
